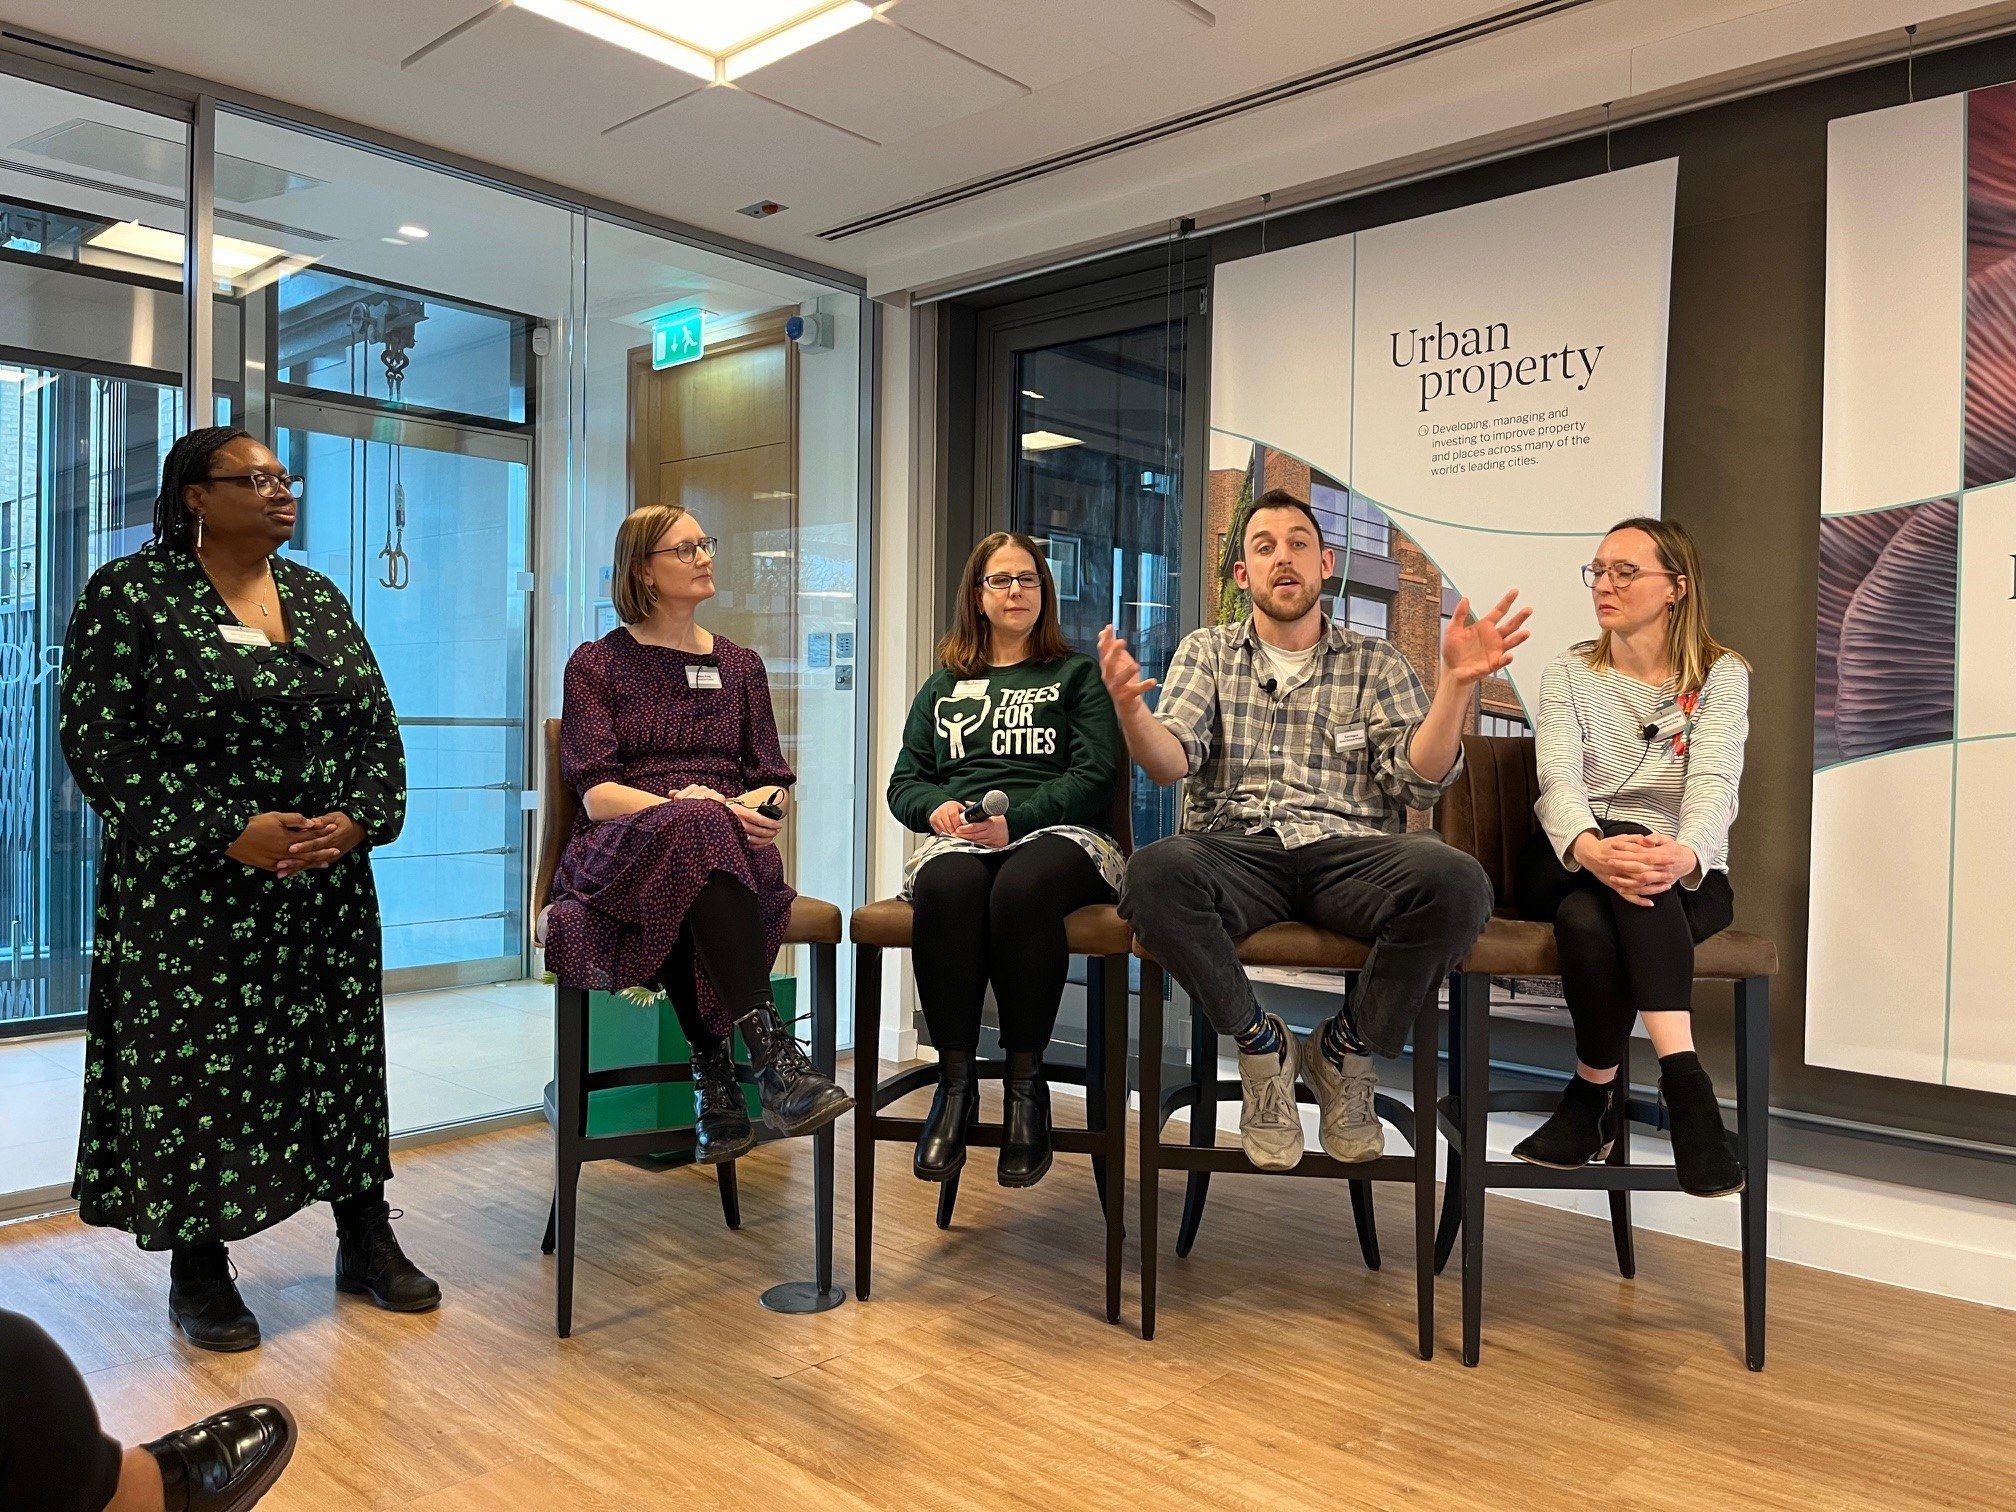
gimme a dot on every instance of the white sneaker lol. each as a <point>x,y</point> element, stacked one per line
<point>1269,1126</point>
<point>1350,1127</point>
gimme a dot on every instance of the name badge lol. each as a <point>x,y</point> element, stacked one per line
<point>703,677</point>
<point>972,687</point>
<point>1351,738</point>
<point>244,635</point>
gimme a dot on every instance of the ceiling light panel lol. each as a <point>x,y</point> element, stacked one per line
<point>796,38</point>
<point>605,27</point>
<point>715,26</point>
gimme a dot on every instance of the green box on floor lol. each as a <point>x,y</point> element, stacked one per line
<point>623,1033</point>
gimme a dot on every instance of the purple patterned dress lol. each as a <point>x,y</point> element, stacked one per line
<point>648,717</point>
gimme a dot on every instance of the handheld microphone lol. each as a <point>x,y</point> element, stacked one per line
<point>992,806</point>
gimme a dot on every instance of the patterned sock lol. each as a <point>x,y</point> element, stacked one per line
<point>1340,1038</point>
<point>1259,1037</point>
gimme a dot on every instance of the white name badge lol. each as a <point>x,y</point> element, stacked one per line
<point>972,687</point>
<point>1349,739</point>
<point>703,677</point>
<point>244,635</point>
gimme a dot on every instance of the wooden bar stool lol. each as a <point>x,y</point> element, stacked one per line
<point>1097,933</point>
<point>1291,945</point>
<point>813,923</point>
<point>1489,813</point>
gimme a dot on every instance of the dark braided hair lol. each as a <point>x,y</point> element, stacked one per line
<point>187,462</point>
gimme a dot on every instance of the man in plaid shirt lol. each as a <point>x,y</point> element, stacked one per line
<point>1304,744</point>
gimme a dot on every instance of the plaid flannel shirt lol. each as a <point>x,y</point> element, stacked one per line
<point>1328,758</point>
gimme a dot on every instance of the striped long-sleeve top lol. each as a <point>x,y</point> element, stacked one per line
<point>1596,764</point>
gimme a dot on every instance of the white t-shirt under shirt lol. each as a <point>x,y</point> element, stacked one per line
<point>1595,762</point>
<point>1289,667</point>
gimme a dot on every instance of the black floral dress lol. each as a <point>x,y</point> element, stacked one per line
<point>235,1058</point>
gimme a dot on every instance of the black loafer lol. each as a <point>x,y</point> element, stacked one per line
<point>226,1462</point>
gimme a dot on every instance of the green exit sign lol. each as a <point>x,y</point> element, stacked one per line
<point>677,338</point>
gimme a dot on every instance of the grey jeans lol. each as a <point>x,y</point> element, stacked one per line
<point>1418,901</point>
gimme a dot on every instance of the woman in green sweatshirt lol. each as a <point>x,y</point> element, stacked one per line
<point>1014,710</point>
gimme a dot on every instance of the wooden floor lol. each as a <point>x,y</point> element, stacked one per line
<point>982,1373</point>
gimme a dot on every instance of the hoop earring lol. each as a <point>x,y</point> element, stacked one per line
<point>199,532</point>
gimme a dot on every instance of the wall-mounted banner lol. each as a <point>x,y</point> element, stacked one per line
<point>1910,972</point>
<point>1482,390</point>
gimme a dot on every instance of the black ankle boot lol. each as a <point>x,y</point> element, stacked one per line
<point>370,1262</point>
<point>204,1303</point>
<point>1703,1150</point>
<point>955,1108</point>
<point>226,1462</point>
<point>1579,1130</point>
<point>797,1097</point>
<point>1025,1147</point>
<point>721,1126</point>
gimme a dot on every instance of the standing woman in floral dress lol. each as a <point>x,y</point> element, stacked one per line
<point>224,716</point>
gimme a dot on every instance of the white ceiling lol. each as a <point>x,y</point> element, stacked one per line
<point>935,93</point>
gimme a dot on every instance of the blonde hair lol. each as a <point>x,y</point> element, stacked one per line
<point>636,538</point>
<point>1693,650</point>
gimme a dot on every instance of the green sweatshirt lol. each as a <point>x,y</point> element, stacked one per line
<point>1044,733</point>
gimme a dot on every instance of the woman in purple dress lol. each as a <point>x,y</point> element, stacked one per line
<point>671,878</point>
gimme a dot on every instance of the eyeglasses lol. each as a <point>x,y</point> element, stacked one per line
<point>686,551</point>
<point>266,485</point>
<point>1001,582</point>
<point>1622,574</point>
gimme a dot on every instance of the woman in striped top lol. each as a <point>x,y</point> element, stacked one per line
<point>1640,738</point>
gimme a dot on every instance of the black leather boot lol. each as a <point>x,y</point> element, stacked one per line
<point>1579,1130</point>
<point>204,1303</point>
<point>1703,1151</point>
<point>226,1462</point>
<point>1025,1147</point>
<point>369,1262</point>
<point>797,1097</point>
<point>721,1126</point>
<point>955,1108</point>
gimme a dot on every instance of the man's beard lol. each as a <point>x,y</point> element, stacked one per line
<point>1300,605</point>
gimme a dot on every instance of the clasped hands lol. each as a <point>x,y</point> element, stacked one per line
<point>949,818</point>
<point>758,829</point>
<point>288,844</point>
<point>1635,867</point>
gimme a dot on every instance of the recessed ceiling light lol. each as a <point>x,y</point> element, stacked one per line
<point>229,256</point>
<point>395,241</point>
<point>413,233</point>
<point>715,40</point>
<point>1031,394</point>
<point>795,38</point>
<point>1043,440</point>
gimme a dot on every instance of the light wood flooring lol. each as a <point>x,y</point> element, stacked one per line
<point>981,1373</point>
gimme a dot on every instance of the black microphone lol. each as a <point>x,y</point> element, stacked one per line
<point>992,806</point>
<point>1269,686</point>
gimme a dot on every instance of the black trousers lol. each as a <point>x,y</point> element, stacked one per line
<point>53,1456</point>
<point>1421,902</point>
<point>1618,960</point>
<point>724,931</point>
<point>998,919</point>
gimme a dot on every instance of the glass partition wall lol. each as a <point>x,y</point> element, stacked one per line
<point>477,383</point>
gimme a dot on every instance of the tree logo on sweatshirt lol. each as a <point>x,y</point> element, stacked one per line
<point>959,716</point>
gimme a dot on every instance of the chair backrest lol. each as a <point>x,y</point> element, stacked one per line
<point>557,808</point>
<point>1488,810</point>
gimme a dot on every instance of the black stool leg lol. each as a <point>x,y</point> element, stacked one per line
<point>867,1080</point>
<point>1112,1091</point>
<point>1452,1180</point>
<point>1474,992</point>
<point>1620,1155</point>
<point>552,1217</point>
<point>1424,1138</point>
<point>1151,1137</point>
<point>1367,1225</point>
<point>826,1056</point>
<point>570,1076</point>
<point>1203,1123</point>
<point>1095,1063</point>
<point>1753,1119</point>
<point>731,1194</point>
<point>948,1198</point>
